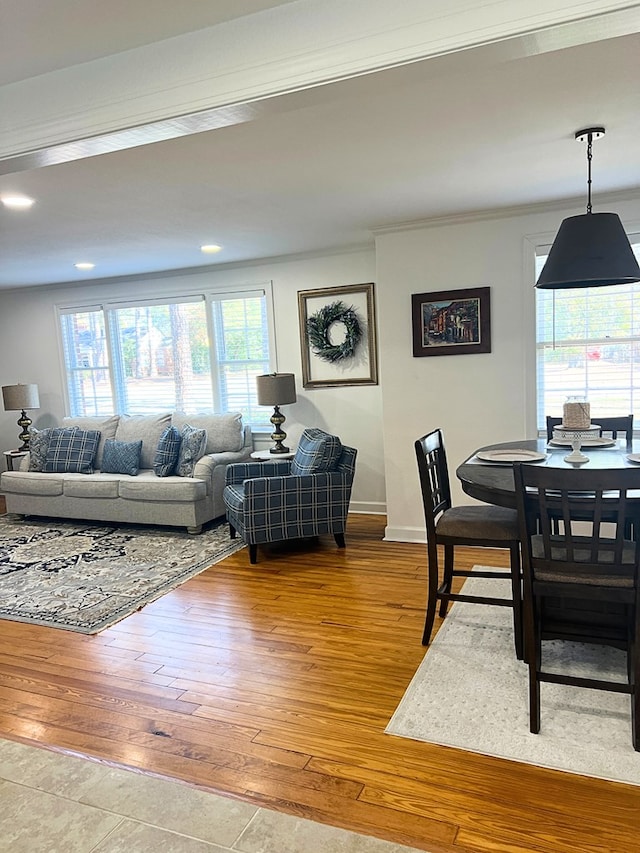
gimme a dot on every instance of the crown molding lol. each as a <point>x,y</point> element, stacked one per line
<point>506,212</point>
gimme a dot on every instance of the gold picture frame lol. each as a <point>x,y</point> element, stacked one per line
<point>338,336</point>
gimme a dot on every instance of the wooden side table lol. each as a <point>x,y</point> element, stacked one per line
<point>12,456</point>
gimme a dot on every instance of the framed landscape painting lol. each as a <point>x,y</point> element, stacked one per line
<point>451,322</point>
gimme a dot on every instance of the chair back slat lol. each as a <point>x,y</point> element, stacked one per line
<point>575,523</point>
<point>434,477</point>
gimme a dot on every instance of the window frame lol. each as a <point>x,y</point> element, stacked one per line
<point>208,296</point>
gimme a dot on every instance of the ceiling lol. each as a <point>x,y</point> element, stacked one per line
<point>315,170</point>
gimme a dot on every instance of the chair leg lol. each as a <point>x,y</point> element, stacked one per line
<point>432,595</point>
<point>634,680</point>
<point>448,579</point>
<point>232,531</point>
<point>535,654</point>
<point>339,537</point>
<point>253,554</point>
<point>516,595</point>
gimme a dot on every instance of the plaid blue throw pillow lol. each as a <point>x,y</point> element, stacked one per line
<point>317,451</point>
<point>121,457</point>
<point>71,449</point>
<point>167,452</point>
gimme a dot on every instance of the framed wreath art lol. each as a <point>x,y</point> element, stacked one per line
<point>337,336</point>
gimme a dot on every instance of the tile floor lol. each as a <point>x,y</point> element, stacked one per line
<point>55,803</point>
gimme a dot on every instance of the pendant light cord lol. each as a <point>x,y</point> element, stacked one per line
<point>589,158</point>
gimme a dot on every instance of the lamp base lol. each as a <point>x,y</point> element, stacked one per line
<point>24,423</point>
<point>278,435</point>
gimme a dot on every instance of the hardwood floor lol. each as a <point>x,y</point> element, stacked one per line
<point>274,683</point>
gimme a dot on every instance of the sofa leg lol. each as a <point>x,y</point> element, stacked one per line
<point>339,537</point>
<point>253,554</point>
<point>195,530</point>
<point>232,531</point>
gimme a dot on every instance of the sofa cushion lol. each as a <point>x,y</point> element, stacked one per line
<point>149,428</point>
<point>167,451</point>
<point>224,432</point>
<point>32,483</point>
<point>121,457</point>
<point>106,425</point>
<point>38,446</point>
<point>149,488</point>
<point>192,445</point>
<point>97,486</point>
<point>317,451</point>
<point>71,449</point>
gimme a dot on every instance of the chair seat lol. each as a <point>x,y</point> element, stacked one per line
<point>479,522</point>
<point>591,577</point>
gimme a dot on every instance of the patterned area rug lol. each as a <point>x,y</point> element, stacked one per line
<point>86,577</point>
<point>471,692</point>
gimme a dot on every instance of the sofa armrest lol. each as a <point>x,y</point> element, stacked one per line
<point>249,470</point>
<point>205,466</point>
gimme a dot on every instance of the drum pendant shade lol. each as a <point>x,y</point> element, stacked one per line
<point>591,250</point>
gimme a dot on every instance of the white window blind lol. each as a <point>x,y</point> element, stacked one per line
<point>190,354</point>
<point>588,344</point>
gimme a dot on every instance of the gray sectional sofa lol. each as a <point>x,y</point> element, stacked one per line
<point>144,498</point>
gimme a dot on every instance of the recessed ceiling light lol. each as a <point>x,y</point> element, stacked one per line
<point>84,265</point>
<point>210,249</point>
<point>16,202</point>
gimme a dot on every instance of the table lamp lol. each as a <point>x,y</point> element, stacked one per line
<point>277,389</point>
<point>17,398</point>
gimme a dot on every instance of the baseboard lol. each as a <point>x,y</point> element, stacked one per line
<point>368,507</point>
<point>415,535</point>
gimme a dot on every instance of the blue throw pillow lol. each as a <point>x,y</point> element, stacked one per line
<point>121,457</point>
<point>317,451</point>
<point>192,446</point>
<point>166,458</point>
<point>71,449</point>
<point>38,447</point>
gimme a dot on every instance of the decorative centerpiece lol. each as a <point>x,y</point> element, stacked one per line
<point>575,427</point>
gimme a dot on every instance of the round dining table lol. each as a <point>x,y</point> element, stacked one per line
<point>492,482</point>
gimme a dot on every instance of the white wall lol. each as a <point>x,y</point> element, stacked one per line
<point>474,399</point>
<point>29,352</point>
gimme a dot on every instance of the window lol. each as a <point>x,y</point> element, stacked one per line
<point>588,344</point>
<point>190,354</point>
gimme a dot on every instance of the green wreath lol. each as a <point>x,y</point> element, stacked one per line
<point>319,325</point>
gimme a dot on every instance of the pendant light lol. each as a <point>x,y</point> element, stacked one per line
<point>591,250</point>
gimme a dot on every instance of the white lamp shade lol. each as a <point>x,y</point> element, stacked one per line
<point>276,389</point>
<point>18,397</point>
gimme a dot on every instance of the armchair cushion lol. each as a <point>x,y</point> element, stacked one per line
<point>317,451</point>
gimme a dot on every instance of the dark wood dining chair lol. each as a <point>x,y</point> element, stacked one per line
<point>472,526</point>
<point>578,567</point>
<point>608,426</point>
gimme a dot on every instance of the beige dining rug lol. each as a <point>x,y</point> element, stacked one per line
<point>471,692</point>
<point>86,577</point>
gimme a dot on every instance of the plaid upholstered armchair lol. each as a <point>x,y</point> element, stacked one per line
<point>292,499</point>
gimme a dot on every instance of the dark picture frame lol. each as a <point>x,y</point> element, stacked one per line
<point>451,322</point>
<point>359,368</point>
